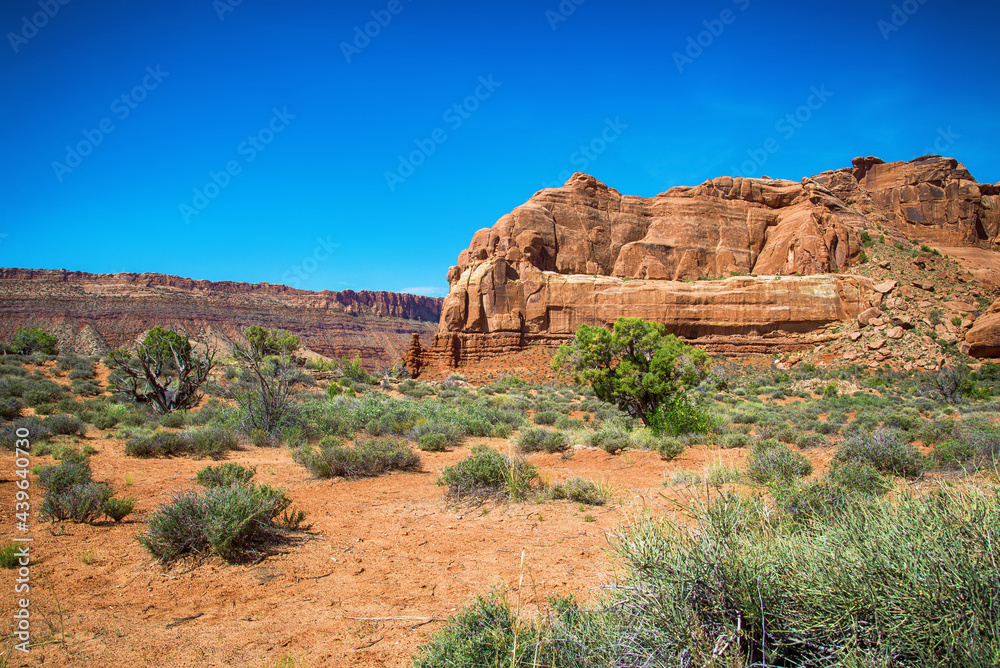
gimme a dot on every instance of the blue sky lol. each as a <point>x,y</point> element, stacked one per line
<point>274,141</point>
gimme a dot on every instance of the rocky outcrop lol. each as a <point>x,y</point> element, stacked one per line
<point>586,254</point>
<point>413,359</point>
<point>933,199</point>
<point>93,313</point>
<point>984,337</point>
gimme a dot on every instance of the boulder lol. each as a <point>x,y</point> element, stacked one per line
<point>984,337</point>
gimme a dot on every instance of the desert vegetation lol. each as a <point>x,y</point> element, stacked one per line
<point>809,481</point>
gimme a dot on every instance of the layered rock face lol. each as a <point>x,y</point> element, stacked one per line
<point>93,313</point>
<point>586,254</point>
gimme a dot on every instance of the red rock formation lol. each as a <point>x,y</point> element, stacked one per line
<point>92,313</point>
<point>413,359</point>
<point>984,337</point>
<point>584,253</point>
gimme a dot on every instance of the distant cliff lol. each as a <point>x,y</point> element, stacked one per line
<point>93,313</point>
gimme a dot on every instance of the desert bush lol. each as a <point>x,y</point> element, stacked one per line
<point>858,477</point>
<point>365,458</point>
<point>416,390</point>
<point>11,408</point>
<point>28,340</point>
<point>433,442</point>
<point>237,522</point>
<point>36,428</point>
<point>82,503</point>
<point>546,417</point>
<point>224,475</point>
<point>538,439</point>
<point>65,425</point>
<point>174,420</point>
<point>674,419</point>
<point>487,473</point>
<point>211,442</point>
<point>771,462</point>
<point>72,470</point>
<point>888,450</point>
<point>734,439</point>
<point>436,436</point>
<point>579,490</point>
<point>117,509</point>
<point>810,440</point>
<point>611,437</point>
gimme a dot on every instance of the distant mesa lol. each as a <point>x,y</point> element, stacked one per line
<point>93,313</point>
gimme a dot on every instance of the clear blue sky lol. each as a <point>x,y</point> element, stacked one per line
<point>310,129</point>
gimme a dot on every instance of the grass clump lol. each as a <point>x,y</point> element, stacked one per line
<point>583,491</point>
<point>366,458</point>
<point>888,450</point>
<point>8,555</point>
<point>117,509</point>
<point>735,584</point>
<point>538,439</point>
<point>238,522</point>
<point>486,474</point>
<point>224,475</point>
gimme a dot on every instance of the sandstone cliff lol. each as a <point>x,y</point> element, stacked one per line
<point>92,313</point>
<point>586,254</point>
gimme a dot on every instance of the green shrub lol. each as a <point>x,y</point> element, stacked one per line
<point>611,437</point>
<point>888,450</point>
<point>65,425</point>
<point>775,463</point>
<point>436,436</point>
<point>545,417</point>
<point>859,477</point>
<point>74,469</point>
<point>117,509</point>
<point>8,555</point>
<point>487,473</point>
<point>224,475</point>
<point>11,408</point>
<point>734,439</point>
<point>211,442</point>
<point>366,458</point>
<point>579,490</point>
<point>82,503</point>
<point>174,420</point>
<point>674,419</point>
<point>29,340</point>
<point>238,522</point>
<point>433,442</point>
<point>538,439</point>
<point>810,440</point>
